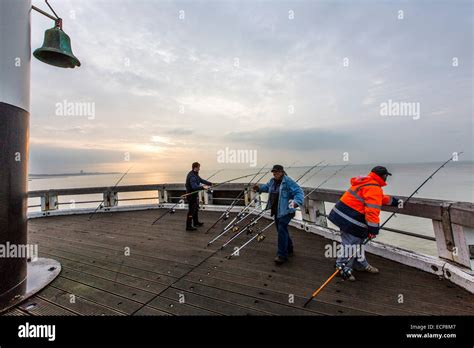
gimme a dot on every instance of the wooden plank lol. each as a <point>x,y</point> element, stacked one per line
<point>175,308</point>
<point>15,312</point>
<point>37,306</point>
<point>110,266</point>
<point>209,303</point>
<point>276,298</point>
<point>98,296</point>
<point>144,251</point>
<point>148,311</point>
<point>164,267</point>
<point>354,295</point>
<point>75,304</point>
<point>260,304</point>
<point>392,280</point>
<point>285,290</point>
<point>113,287</point>
<point>116,276</point>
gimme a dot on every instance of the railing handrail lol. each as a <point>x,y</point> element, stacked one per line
<point>461,213</point>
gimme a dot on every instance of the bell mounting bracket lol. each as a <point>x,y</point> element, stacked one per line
<point>58,22</point>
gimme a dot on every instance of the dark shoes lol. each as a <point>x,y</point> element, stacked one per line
<point>280,260</point>
<point>371,269</point>
<point>193,228</point>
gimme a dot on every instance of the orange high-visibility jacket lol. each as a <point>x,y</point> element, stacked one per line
<point>358,210</point>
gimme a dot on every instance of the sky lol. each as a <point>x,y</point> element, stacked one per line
<point>167,83</point>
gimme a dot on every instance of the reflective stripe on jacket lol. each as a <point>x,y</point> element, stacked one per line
<point>358,210</point>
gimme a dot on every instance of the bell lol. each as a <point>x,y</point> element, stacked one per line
<point>56,49</point>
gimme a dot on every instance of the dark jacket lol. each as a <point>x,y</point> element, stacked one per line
<point>194,182</point>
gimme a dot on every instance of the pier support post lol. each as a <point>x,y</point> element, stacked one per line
<point>314,212</point>
<point>49,202</point>
<point>455,234</point>
<point>110,199</point>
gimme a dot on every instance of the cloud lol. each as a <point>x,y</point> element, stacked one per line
<point>231,71</point>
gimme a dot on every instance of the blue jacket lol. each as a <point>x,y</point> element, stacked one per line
<point>289,189</point>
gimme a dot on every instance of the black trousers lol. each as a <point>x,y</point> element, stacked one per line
<point>193,210</point>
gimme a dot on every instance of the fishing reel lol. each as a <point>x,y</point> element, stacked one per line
<point>235,229</point>
<point>172,211</point>
<point>226,216</point>
<point>260,238</point>
<point>345,272</point>
<point>249,231</point>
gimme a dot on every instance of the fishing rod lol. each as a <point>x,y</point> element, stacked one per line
<point>100,204</point>
<point>225,214</point>
<point>181,201</point>
<point>213,175</point>
<point>327,179</point>
<point>310,169</point>
<point>314,174</point>
<point>260,215</point>
<point>242,215</point>
<point>315,293</point>
<point>259,235</point>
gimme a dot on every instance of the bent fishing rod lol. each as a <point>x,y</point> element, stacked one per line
<point>315,293</point>
<point>190,193</point>
<point>260,233</point>
<point>100,204</point>
<point>254,221</point>
<point>242,216</point>
<point>225,214</point>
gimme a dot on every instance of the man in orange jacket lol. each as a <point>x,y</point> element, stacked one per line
<point>357,214</point>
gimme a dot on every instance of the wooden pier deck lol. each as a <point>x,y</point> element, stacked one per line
<point>167,264</point>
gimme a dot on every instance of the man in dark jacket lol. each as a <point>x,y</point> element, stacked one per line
<point>194,183</point>
<point>284,196</point>
<point>357,214</point>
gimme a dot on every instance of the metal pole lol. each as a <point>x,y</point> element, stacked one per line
<point>15,52</point>
<point>15,62</point>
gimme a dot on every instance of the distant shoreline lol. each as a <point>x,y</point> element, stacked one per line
<point>33,176</point>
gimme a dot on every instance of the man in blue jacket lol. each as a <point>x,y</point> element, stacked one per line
<point>194,183</point>
<point>284,196</point>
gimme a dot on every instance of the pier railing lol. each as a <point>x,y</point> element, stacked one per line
<point>453,222</point>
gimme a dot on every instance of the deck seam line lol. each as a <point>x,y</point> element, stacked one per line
<point>93,301</point>
<point>116,250</point>
<point>115,263</point>
<point>105,269</point>
<point>228,302</point>
<point>280,303</point>
<point>184,275</point>
<point>223,270</point>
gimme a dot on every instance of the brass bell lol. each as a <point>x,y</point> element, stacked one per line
<point>56,49</point>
